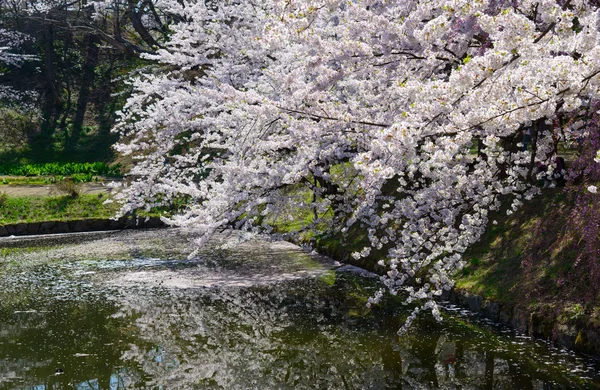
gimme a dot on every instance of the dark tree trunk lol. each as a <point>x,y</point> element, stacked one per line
<point>489,370</point>
<point>52,102</point>
<point>68,42</point>
<point>536,130</point>
<point>518,379</point>
<point>87,80</point>
<point>136,22</point>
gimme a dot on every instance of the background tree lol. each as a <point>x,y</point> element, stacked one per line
<point>17,113</point>
<point>83,51</point>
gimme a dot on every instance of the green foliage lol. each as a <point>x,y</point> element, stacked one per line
<point>30,180</point>
<point>577,312</point>
<point>68,187</point>
<point>16,127</point>
<point>79,171</point>
<point>82,177</point>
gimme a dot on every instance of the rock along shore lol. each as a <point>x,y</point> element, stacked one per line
<point>537,323</point>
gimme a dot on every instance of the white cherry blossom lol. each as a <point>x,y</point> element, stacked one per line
<point>401,118</point>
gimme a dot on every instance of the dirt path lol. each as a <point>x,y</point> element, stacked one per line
<point>50,189</point>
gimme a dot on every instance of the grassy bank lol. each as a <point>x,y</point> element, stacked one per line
<point>529,258</point>
<point>530,254</point>
<point>53,208</point>
<point>532,260</point>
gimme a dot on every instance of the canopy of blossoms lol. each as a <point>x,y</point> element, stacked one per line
<point>403,117</point>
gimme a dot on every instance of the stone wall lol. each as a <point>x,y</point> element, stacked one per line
<point>542,325</point>
<point>83,225</point>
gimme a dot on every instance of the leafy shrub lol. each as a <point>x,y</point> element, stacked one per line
<point>63,169</point>
<point>68,187</point>
<point>16,127</point>
<point>577,312</point>
<point>82,177</point>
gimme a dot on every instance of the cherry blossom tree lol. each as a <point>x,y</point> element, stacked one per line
<point>10,55</point>
<point>18,113</point>
<point>403,118</point>
<point>9,42</point>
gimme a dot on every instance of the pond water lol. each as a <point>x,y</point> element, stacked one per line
<point>129,310</point>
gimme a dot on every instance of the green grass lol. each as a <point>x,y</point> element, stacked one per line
<point>45,180</point>
<point>29,181</point>
<point>28,209</point>
<point>494,263</point>
<point>54,208</point>
<point>530,260</point>
<point>79,171</point>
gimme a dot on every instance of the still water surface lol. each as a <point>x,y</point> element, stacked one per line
<point>129,310</point>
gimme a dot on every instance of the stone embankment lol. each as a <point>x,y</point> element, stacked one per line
<point>541,324</point>
<point>537,324</point>
<point>83,225</point>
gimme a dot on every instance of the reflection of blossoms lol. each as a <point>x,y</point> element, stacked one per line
<point>287,335</point>
<point>294,333</point>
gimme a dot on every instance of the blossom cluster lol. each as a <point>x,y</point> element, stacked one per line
<point>402,118</point>
<point>10,42</point>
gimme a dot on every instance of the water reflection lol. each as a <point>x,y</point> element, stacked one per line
<point>88,323</point>
<point>58,345</point>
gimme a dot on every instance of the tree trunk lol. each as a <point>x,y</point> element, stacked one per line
<point>87,80</point>
<point>136,22</point>
<point>52,101</point>
<point>68,41</point>
<point>489,370</point>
